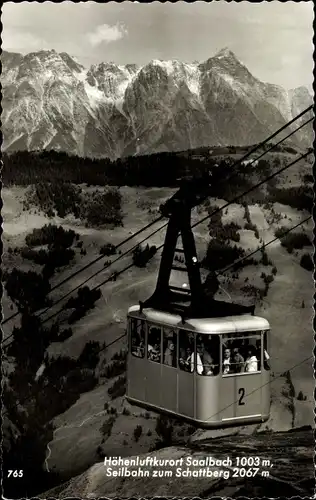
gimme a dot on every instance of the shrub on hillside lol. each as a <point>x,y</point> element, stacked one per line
<point>83,380</point>
<point>114,369</point>
<point>52,259</point>
<point>263,167</point>
<point>216,219</point>
<point>64,335</point>
<point>219,254</point>
<point>300,198</point>
<point>308,178</point>
<point>105,208</point>
<point>245,262</point>
<point>267,278</point>
<point>28,290</point>
<point>306,262</point>
<point>62,197</point>
<point>142,256</point>
<point>84,301</point>
<point>301,396</point>
<point>120,356</point>
<point>118,388</point>
<point>137,432</point>
<point>106,427</point>
<point>59,367</point>
<point>108,250</point>
<point>265,259</point>
<point>112,410</point>
<point>100,452</point>
<point>225,231</point>
<point>292,240</point>
<point>164,429</point>
<point>89,356</point>
<point>251,290</point>
<point>51,234</point>
<point>252,227</point>
<point>30,341</point>
<point>246,213</point>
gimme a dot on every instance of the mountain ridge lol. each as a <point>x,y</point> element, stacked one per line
<point>51,101</point>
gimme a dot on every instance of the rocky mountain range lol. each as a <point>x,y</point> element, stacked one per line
<point>50,101</point>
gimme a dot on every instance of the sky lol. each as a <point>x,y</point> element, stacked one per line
<point>273,39</point>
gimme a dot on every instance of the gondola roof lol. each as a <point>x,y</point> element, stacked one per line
<point>225,324</point>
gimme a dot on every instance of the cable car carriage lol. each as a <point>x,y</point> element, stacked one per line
<point>190,356</point>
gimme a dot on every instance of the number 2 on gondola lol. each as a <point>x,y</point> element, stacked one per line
<point>242,392</point>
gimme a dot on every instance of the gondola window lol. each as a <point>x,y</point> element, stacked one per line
<point>207,355</point>
<point>266,356</point>
<point>241,353</point>
<point>137,338</point>
<point>169,347</point>
<point>154,344</point>
<point>186,351</point>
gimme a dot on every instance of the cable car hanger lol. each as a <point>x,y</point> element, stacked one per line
<point>192,302</point>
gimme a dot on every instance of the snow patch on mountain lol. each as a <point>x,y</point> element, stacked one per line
<point>95,96</point>
<point>181,72</point>
<point>51,98</point>
<point>193,77</point>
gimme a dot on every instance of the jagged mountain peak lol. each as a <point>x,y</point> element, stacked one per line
<point>43,55</point>
<point>226,63</point>
<point>7,53</point>
<point>10,59</point>
<point>71,62</point>
<point>300,91</point>
<point>227,53</point>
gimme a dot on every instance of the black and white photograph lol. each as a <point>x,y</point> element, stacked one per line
<point>157,249</point>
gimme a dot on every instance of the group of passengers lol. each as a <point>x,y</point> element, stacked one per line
<point>235,362</point>
<point>205,362</point>
<point>236,359</point>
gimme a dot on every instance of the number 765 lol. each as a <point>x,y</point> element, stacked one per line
<point>15,473</point>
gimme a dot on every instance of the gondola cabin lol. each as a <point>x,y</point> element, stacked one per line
<point>192,356</point>
<point>213,372</point>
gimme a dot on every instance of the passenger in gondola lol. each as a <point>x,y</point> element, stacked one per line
<point>208,363</point>
<point>199,364</point>
<point>182,358</point>
<point>141,349</point>
<point>251,363</point>
<point>226,361</point>
<point>154,352</point>
<point>190,360</point>
<point>134,346</point>
<point>169,356</point>
<point>238,361</point>
<point>138,348</point>
<point>266,356</point>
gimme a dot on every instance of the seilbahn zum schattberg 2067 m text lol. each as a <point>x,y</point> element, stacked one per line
<point>206,466</point>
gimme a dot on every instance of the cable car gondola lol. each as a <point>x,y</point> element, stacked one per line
<point>190,356</point>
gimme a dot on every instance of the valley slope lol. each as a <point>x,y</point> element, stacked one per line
<point>77,438</point>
